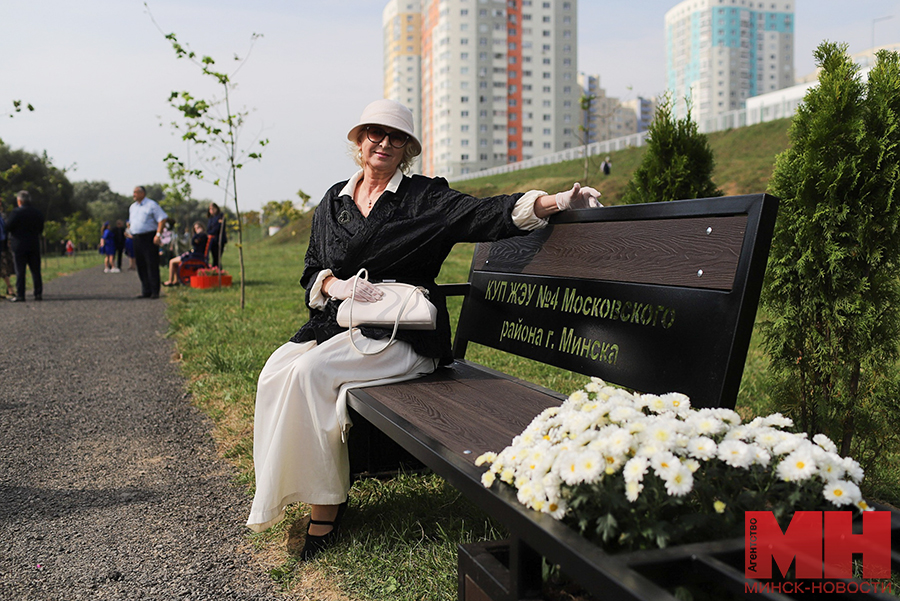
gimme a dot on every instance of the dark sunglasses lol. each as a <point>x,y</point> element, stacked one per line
<point>397,139</point>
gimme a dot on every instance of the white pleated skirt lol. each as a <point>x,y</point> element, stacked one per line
<point>299,448</point>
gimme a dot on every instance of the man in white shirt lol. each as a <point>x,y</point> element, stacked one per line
<point>147,220</point>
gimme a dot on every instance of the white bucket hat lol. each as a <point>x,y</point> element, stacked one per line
<point>389,113</point>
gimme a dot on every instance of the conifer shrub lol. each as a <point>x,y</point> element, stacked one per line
<point>832,294</point>
<point>678,163</point>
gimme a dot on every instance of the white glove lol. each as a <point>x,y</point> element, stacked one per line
<point>578,198</point>
<point>342,289</point>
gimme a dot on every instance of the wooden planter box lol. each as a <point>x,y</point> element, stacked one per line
<point>209,281</point>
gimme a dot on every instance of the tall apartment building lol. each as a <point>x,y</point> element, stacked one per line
<point>498,79</point>
<point>401,23</point>
<point>719,53</point>
<point>607,118</point>
<point>644,110</point>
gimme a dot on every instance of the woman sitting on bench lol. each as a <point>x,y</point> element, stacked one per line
<point>198,251</point>
<point>399,228</point>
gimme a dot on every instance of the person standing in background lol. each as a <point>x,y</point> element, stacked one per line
<point>6,261</point>
<point>119,240</point>
<point>108,248</point>
<point>147,220</point>
<point>215,229</point>
<point>25,225</point>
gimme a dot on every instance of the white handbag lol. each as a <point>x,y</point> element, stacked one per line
<point>403,306</point>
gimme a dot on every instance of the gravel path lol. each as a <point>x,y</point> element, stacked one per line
<point>110,486</point>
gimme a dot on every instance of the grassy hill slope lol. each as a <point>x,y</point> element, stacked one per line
<point>745,158</point>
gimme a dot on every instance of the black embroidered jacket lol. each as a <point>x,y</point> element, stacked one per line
<point>406,237</point>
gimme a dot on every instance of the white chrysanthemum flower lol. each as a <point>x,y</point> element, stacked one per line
<point>566,466</point>
<point>664,463</point>
<point>589,466</point>
<point>593,387</point>
<point>702,447</point>
<point>729,416</point>
<point>825,442</point>
<point>661,432</point>
<point>487,478</point>
<point>691,464</point>
<point>680,481</point>
<point>776,420</point>
<point>585,438</point>
<point>526,494</point>
<point>797,466</point>
<point>578,423</point>
<point>556,508</point>
<point>760,455</point>
<point>654,403</point>
<point>767,437</point>
<point>841,492</point>
<point>788,444</point>
<point>677,402</point>
<point>551,483</point>
<point>831,467</point>
<point>706,424</point>
<point>589,406</point>
<point>853,469</point>
<point>618,440</point>
<point>636,426</point>
<point>735,453</point>
<point>635,469</point>
<point>622,414</point>
<point>649,449</point>
<point>577,398</point>
<point>612,463</point>
<point>507,475</point>
<point>488,457</point>
<point>740,433</point>
<point>633,490</point>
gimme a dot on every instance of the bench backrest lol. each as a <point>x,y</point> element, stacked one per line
<point>658,297</point>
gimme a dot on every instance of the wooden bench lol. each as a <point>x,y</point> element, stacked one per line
<point>658,298</point>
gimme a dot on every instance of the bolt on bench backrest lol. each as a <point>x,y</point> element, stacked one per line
<point>657,297</point>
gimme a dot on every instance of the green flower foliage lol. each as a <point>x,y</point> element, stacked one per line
<point>678,163</point>
<point>832,293</point>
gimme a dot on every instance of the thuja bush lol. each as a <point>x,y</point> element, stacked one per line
<point>678,163</point>
<point>832,294</point>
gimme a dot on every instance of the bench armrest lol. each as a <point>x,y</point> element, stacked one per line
<point>455,289</point>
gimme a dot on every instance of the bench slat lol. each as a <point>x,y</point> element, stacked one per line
<point>467,408</point>
<point>665,252</point>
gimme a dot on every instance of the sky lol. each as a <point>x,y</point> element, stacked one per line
<point>99,74</point>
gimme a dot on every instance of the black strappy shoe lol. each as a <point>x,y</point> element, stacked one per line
<point>314,544</point>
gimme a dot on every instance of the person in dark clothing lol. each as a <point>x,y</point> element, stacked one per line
<point>147,219</point>
<point>25,226</point>
<point>215,229</point>
<point>400,228</point>
<point>119,241</point>
<point>198,251</point>
<point>6,260</point>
